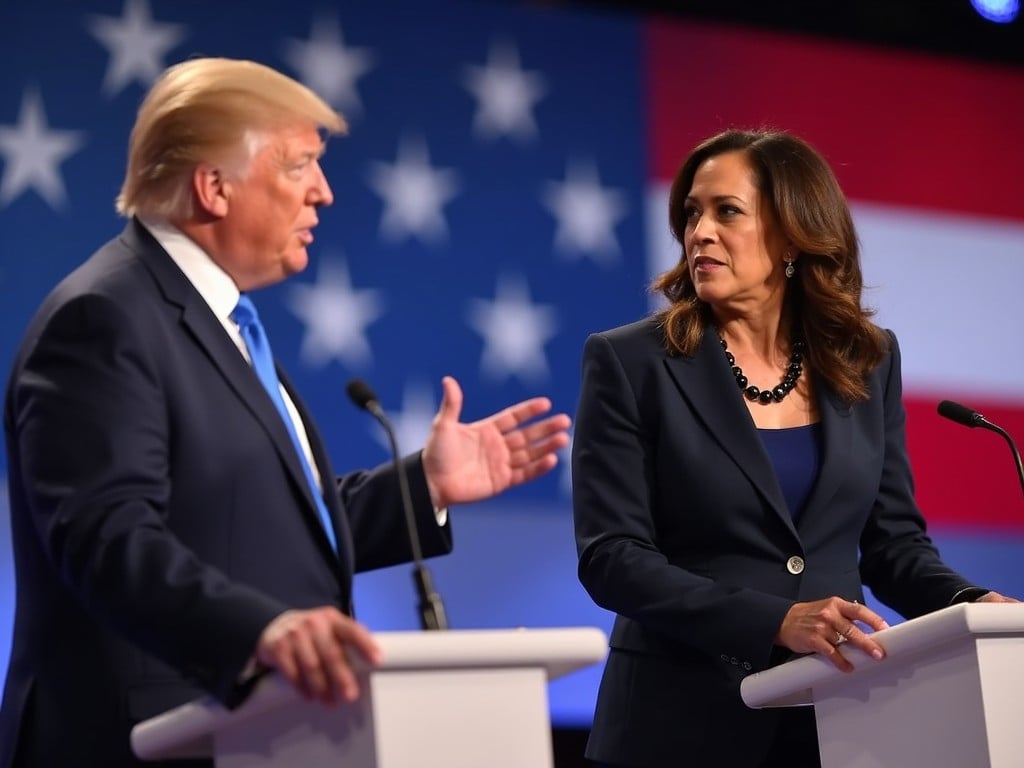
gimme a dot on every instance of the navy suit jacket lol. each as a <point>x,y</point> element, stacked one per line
<point>160,516</point>
<point>683,532</point>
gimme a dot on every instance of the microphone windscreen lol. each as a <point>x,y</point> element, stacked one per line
<point>961,414</point>
<point>360,393</point>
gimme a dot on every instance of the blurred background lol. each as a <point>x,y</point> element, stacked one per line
<point>502,193</point>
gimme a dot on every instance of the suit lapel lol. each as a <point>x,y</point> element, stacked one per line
<point>209,334</point>
<point>707,383</point>
<point>837,448</point>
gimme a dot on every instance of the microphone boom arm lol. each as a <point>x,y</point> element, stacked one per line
<point>432,614</point>
<point>961,414</point>
<point>983,422</point>
<point>431,609</point>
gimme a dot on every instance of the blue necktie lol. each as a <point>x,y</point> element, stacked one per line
<point>251,329</point>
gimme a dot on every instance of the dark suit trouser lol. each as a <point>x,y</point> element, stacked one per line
<point>795,745</point>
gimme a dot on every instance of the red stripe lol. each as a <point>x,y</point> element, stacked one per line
<point>965,476</point>
<point>897,127</point>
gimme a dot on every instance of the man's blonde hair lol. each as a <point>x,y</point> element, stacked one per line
<point>208,110</point>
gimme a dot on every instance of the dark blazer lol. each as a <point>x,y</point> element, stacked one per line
<point>160,516</point>
<point>683,532</point>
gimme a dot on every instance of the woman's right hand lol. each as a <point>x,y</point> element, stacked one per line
<point>823,625</point>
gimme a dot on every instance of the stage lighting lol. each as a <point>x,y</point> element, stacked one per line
<point>999,11</point>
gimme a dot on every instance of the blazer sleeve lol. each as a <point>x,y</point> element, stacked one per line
<point>373,504</point>
<point>899,562</point>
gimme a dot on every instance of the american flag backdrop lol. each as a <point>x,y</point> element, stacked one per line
<point>502,193</point>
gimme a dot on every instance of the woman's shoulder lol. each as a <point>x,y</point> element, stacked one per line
<point>890,346</point>
<point>646,330</point>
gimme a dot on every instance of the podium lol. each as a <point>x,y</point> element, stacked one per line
<point>948,694</point>
<point>459,699</point>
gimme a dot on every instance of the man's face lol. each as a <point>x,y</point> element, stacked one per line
<point>272,210</point>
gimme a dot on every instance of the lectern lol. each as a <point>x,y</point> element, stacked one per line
<point>459,699</point>
<point>949,693</point>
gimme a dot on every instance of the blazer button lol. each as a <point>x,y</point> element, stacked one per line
<point>795,565</point>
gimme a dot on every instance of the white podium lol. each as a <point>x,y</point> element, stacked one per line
<point>458,698</point>
<point>949,693</point>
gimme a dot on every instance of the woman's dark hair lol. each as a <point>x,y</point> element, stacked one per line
<point>823,299</point>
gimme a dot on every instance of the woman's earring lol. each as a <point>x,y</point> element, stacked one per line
<point>790,269</point>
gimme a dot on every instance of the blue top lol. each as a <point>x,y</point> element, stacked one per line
<point>796,454</point>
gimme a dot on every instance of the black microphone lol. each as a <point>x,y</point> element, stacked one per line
<point>432,614</point>
<point>961,414</point>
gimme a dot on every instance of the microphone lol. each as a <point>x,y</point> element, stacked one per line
<point>431,608</point>
<point>961,414</point>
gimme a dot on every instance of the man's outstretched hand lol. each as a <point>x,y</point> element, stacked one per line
<point>471,462</point>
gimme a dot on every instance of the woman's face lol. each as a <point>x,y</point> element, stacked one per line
<point>733,248</point>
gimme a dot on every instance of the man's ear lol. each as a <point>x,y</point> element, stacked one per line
<point>212,190</point>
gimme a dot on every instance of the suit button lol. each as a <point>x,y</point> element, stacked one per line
<point>795,565</point>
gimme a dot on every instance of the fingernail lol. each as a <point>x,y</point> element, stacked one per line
<point>876,655</point>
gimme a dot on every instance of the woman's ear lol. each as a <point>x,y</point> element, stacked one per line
<point>211,189</point>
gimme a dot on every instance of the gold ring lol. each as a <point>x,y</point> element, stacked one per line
<point>840,638</point>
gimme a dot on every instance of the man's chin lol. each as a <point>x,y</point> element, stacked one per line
<point>295,261</point>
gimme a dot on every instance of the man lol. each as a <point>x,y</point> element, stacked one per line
<point>174,520</point>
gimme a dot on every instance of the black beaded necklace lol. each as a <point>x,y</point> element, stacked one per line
<point>768,396</point>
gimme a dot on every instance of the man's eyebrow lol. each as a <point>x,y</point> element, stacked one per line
<point>307,155</point>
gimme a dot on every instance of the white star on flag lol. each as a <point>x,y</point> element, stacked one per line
<point>412,424</point>
<point>586,212</point>
<point>505,95</point>
<point>32,153</point>
<point>137,45</point>
<point>336,316</point>
<point>514,331</point>
<point>414,192</point>
<point>327,66</point>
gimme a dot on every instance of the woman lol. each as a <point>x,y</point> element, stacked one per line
<point>739,467</point>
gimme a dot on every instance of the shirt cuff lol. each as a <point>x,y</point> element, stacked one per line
<point>968,595</point>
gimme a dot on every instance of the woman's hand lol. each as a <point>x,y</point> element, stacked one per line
<point>823,625</point>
